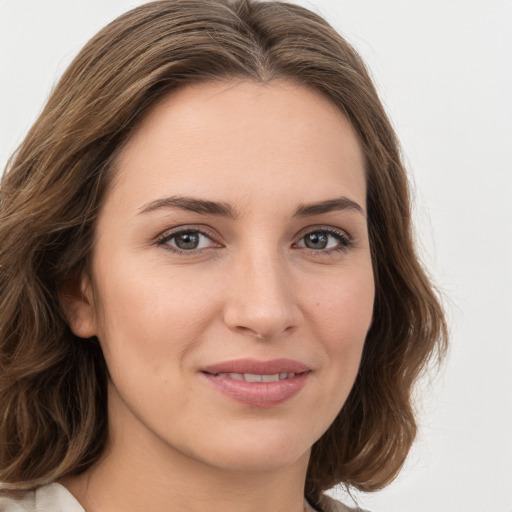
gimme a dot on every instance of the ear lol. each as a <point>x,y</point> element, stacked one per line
<point>77,302</point>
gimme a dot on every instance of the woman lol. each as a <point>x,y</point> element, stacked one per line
<point>210,298</point>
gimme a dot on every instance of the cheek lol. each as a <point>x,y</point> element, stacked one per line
<point>344,305</point>
<point>147,315</point>
<point>341,314</point>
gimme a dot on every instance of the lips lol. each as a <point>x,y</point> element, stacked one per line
<point>258,383</point>
<point>252,377</point>
<point>256,367</point>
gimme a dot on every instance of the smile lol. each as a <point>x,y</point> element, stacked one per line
<point>258,383</point>
<point>252,377</point>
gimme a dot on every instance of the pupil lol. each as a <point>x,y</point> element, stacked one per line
<point>187,241</point>
<point>316,241</point>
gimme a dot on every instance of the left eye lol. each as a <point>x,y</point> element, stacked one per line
<point>187,240</point>
<point>323,240</point>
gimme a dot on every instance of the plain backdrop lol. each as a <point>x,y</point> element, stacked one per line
<point>444,72</point>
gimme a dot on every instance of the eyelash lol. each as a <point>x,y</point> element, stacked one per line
<point>164,240</point>
<point>344,241</point>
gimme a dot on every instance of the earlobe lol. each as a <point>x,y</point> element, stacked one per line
<point>77,302</point>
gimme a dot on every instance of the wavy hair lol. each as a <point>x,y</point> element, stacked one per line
<point>53,386</point>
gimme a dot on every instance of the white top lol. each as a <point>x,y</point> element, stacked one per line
<point>48,498</point>
<point>56,498</point>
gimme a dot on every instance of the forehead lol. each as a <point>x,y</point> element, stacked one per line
<point>235,139</point>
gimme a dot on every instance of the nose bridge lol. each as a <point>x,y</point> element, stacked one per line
<point>261,301</point>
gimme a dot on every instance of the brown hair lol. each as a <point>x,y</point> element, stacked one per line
<point>53,385</point>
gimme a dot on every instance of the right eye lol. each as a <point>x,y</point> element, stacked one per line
<point>187,240</point>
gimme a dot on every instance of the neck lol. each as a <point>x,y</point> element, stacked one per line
<point>141,472</point>
<point>117,484</point>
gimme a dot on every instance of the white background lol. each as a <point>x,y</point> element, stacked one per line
<point>444,71</point>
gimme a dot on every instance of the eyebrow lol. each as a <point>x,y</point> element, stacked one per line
<point>330,205</point>
<point>221,209</point>
<point>192,204</point>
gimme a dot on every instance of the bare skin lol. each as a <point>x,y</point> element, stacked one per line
<point>209,250</point>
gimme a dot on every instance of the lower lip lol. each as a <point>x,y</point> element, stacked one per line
<point>259,394</point>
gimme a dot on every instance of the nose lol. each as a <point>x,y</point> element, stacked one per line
<point>261,298</point>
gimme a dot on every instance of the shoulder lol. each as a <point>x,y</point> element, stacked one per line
<point>24,503</point>
<point>329,504</point>
<point>48,498</point>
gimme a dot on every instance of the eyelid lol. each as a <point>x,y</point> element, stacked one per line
<point>346,241</point>
<point>168,234</point>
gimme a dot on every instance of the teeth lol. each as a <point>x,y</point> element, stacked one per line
<point>270,378</point>
<point>252,377</point>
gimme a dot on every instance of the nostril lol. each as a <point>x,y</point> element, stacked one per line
<point>261,321</point>
<point>251,332</point>
<point>261,336</point>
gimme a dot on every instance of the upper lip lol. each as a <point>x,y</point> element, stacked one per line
<point>257,367</point>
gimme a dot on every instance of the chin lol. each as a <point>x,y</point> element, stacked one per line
<point>263,451</point>
<point>260,461</point>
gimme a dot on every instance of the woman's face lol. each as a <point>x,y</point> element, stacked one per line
<point>232,249</point>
